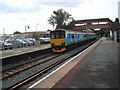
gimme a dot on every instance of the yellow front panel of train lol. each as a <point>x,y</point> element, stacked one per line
<point>57,41</point>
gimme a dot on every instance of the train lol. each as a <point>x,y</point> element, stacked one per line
<point>62,39</point>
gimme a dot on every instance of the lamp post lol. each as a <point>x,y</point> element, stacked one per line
<point>26,27</point>
<point>3,31</point>
<point>36,26</point>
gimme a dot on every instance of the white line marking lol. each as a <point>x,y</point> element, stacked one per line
<point>61,66</point>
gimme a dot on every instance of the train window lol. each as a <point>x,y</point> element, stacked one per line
<point>68,36</point>
<point>79,35</point>
<point>73,36</point>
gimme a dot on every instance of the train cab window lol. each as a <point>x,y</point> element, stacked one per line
<point>52,35</point>
<point>62,34</point>
<point>57,34</point>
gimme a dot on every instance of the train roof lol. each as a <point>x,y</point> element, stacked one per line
<point>82,31</point>
<point>88,31</point>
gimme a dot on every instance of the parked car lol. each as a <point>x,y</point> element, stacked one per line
<point>32,40</point>
<point>21,42</point>
<point>5,45</point>
<point>1,45</point>
<point>15,43</point>
<point>28,42</point>
<point>45,40</point>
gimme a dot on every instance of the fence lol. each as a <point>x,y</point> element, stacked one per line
<point>11,41</point>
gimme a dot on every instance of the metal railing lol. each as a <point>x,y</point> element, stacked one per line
<point>12,41</point>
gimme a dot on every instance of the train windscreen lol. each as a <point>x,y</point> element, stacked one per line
<point>57,34</point>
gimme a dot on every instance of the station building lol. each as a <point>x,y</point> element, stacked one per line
<point>116,26</point>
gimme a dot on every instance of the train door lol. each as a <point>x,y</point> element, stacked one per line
<point>73,39</point>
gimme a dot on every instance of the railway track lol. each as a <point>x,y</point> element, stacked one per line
<point>23,64</point>
<point>22,67</point>
<point>17,70</point>
<point>47,62</point>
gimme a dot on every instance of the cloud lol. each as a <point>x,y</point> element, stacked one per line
<point>62,4</point>
<point>15,14</point>
<point>7,8</point>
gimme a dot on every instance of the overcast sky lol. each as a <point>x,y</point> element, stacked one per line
<point>15,14</point>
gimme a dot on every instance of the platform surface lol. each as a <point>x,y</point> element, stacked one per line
<point>96,67</point>
<point>100,69</point>
<point>17,51</point>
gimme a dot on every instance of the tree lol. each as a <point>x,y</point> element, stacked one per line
<point>17,32</point>
<point>60,18</point>
<point>71,25</point>
<point>52,21</point>
<point>105,32</point>
<point>37,37</point>
<point>49,30</point>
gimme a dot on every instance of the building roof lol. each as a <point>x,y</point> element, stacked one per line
<point>94,20</point>
<point>38,32</point>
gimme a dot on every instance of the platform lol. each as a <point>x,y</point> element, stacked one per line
<point>96,67</point>
<point>17,51</point>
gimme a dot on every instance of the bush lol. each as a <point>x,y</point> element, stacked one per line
<point>36,37</point>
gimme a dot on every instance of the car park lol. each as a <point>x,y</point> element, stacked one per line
<point>8,41</point>
<point>5,45</point>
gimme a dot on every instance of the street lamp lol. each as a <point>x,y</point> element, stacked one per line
<point>36,26</point>
<point>26,27</point>
<point>3,30</point>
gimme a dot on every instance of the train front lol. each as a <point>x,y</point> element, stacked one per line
<point>57,40</point>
